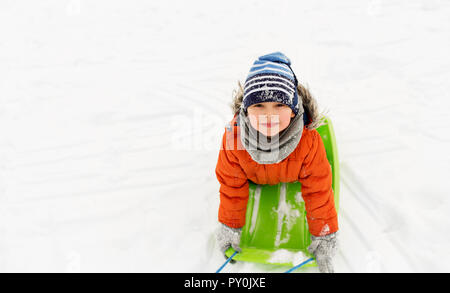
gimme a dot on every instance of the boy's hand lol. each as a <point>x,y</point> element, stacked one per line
<point>227,236</point>
<point>324,248</point>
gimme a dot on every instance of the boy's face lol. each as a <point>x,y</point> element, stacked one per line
<point>269,118</point>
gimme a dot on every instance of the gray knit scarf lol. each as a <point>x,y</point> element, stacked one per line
<point>274,149</point>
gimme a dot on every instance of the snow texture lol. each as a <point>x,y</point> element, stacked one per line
<point>287,214</point>
<point>112,113</point>
<point>286,256</point>
<point>255,209</point>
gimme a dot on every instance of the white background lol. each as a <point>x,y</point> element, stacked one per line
<point>111,115</point>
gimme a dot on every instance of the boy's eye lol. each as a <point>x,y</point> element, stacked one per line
<point>280,105</point>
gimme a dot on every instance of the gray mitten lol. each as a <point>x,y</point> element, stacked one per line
<point>227,236</point>
<point>324,249</point>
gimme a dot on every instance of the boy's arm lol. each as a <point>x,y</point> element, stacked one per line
<point>317,192</point>
<point>233,188</point>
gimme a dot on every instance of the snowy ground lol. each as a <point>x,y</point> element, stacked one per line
<point>111,115</point>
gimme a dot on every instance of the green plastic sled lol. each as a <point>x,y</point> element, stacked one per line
<point>276,231</point>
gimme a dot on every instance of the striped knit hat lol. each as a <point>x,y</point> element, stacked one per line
<point>271,79</point>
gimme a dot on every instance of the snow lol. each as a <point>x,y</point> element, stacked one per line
<point>286,256</point>
<point>255,209</point>
<point>298,198</point>
<point>112,113</point>
<point>287,214</point>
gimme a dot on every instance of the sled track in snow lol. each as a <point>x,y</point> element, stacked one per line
<point>365,199</point>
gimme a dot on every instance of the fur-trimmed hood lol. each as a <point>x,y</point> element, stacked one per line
<point>314,118</point>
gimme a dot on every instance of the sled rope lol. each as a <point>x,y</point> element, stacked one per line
<point>227,261</point>
<point>298,266</point>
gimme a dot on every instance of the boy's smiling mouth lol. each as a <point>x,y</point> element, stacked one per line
<point>269,125</point>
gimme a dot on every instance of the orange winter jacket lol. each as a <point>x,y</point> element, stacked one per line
<point>307,163</point>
